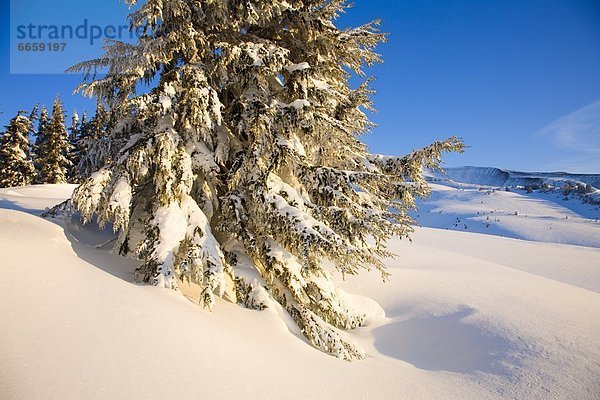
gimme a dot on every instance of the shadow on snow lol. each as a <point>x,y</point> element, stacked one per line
<point>447,343</point>
<point>89,242</point>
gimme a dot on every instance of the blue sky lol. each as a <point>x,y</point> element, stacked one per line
<point>518,80</point>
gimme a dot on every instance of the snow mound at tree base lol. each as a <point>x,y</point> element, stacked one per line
<point>466,316</point>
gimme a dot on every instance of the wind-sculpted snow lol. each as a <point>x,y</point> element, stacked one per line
<point>479,176</point>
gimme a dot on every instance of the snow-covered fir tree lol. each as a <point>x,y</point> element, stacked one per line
<point>16,166</point>
<point>243,174</point>
<point>96,148</point>
<point>75,128</point>
<point>40,135</point>
<point>34,116</point>
<point>83,123</point>
<point>77,148</point>
<point>53,156</point>
<point>83,144</point>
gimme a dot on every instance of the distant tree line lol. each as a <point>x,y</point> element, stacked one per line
<point>37,147</point>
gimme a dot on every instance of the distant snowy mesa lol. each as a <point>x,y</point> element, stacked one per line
<point>584,184</point>
<point>547,207</point>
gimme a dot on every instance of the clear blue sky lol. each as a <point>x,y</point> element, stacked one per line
<point>518,80</point>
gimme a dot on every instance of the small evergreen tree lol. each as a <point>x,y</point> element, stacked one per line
<point>242,172</point>
<point>74,129</point>
<point>84,127</point>
<point>55,148</point>
<point>15,159</point>
<point>34,117</point>
<point>77,150</point>
<point>40,138</point>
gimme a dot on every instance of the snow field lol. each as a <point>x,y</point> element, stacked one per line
<point>467,316</point>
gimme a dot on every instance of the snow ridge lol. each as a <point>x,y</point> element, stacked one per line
<point>491,176</point>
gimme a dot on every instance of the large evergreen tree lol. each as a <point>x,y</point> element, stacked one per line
<point>16,167</point>
<point>242,175</point>
<point>53,156</point>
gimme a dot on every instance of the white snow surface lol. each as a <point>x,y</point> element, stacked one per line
<point>491,176</point>
<point>298,67</point>
<point>510,211</point>
<point>467,316</point>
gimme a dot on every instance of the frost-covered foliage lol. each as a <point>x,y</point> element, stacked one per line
<point>77,150</point>
<point>54,148</point>
<point>40,137</point>
<point>96,149</point>
<point>242,172</point>
<point>16,167</point>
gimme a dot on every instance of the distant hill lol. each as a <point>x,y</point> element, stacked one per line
<point>490,176</point>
